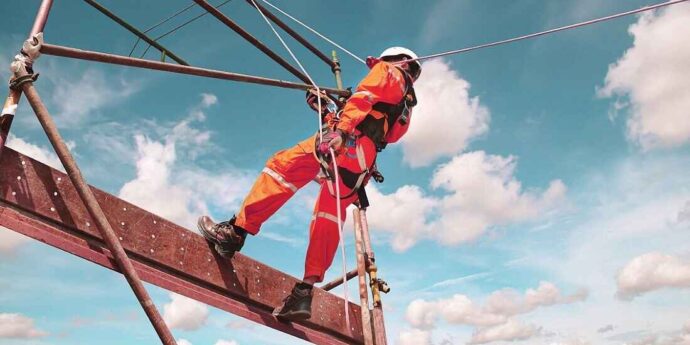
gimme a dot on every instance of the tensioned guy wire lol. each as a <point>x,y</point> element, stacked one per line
<point>335,168</point>
<point>315,32</point>
<point>541,33</point>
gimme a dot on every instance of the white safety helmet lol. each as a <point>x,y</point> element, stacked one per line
<point>397,51</point>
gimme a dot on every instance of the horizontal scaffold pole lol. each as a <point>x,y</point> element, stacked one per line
<point>57,50</point>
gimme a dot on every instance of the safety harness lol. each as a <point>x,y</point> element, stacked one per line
<point>375,129</point>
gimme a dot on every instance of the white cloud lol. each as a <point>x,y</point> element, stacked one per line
<point>18,326</point>
<point>446,118</point>
<point>93,90</point>
<point>404,214</point>
<point>494,320</point>
<point>652,74</point>
<point>484,193</point>
<point>652,271</point>
<point>167,185</point>
<point>226,342</point>
<point>42,154</point>
<point>10,241</point>
<point>414,337</point>
<point>184,313</point>
<point>497,309</point>
<point>183,342</point>
<point>512,330</point>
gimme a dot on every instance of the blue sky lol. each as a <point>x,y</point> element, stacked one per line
<point>541,195</point>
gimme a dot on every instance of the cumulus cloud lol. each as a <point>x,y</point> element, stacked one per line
<point>178,192</point>
<point>184,313</point>
<point>652,76</point>
<point>95,91</point>
<point>497,309</point>
<point>446,119</point>
<point>10,241</point>
<point>484,192</point>
<point>18,326</point>
<point>405,214</point>
<point>652,271</point>
<point>512,330</point>
<point>481,192</point>
<point>414,337</point>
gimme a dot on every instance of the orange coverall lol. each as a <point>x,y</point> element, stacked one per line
<point>289,170</point>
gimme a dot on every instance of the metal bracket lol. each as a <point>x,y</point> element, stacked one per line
<point>22,65</point>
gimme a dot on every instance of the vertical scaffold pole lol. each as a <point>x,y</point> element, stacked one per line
<point>377,313</point>
<point>10,107</point>
<point>362,273</point>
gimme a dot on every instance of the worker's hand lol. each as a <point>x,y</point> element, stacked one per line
<point>332,139</point>
<point>327,105</point>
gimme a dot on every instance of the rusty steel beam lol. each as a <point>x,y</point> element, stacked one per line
<point>339,281</point>
<point>294,34</point>
<point>96,212</point>
<point>251,39</point>
<point>9,109</point>
<point>56,50</point>
<point>42,203</point>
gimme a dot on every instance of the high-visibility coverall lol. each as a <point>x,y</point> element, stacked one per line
<point>289,170</point>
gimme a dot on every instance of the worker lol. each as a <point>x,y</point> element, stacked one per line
<point>377,113</point>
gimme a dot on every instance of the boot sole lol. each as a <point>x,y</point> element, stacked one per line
<point>295,316</point>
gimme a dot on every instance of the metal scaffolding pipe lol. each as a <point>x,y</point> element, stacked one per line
<point>367,329</point>
<point>377,313</point>
<point>13,97</point>
<point>251,39</point>
<point>56,50</point>
<point>136,31</point>
<point>294,34</point>
<point>339,281</point>
<point>86,194</point>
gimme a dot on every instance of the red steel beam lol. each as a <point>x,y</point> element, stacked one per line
<point>74,53</point>
<point>42,203</point>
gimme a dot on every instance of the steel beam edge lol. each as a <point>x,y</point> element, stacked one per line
<point>41,203</point>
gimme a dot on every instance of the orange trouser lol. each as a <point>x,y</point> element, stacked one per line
<point>285,173</point>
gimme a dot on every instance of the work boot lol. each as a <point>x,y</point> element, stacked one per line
<point>297,305</point>
<point>227,237</point>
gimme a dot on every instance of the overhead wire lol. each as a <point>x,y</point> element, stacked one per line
<point>335,165</point>
<point>315,32</point>
<point>175,28</point>
<point>185,9</point>
<point>541,33</point>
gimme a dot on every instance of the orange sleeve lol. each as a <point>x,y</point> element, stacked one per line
<point>384,83</point>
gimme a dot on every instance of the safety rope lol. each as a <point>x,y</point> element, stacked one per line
<point>335,166</point>
<point>315,32</point>
<point>541,33</point>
